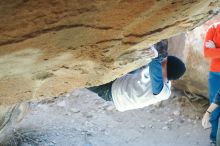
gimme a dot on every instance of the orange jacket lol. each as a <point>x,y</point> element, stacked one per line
<point>213,34</point>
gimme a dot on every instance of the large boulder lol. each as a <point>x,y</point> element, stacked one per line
<point>189,47</point>
<point>50,47</point>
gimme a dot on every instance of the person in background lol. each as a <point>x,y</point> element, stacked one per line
<point>212,51</point>
<point>146,85</point>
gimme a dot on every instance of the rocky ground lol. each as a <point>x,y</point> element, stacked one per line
<point>81,118</point>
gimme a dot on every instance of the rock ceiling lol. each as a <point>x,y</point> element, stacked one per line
<point>50,47</point>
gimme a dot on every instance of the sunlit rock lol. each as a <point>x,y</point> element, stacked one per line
<point>51,47</point>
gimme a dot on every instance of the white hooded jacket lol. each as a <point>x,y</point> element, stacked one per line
<point>134,91</point>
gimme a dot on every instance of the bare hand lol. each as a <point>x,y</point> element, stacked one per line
<point>205,121</point>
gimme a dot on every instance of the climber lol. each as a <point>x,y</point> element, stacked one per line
<point>146,85</point>
<point>212,51</point>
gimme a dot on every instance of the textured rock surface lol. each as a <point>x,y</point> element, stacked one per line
<point>46,123</point>
<point>189,47</point>
<point>49,47</point>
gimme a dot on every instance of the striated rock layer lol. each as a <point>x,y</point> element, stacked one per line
<point>50,47</point>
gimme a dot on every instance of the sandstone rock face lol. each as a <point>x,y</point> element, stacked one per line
<point>189,47</point>
<point>50,47</point>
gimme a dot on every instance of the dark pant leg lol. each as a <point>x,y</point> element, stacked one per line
<point>218,136</point>
<point>213,87</point>
<point>104,91</point>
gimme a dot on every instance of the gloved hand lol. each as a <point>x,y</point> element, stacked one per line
<point>162,48</point>
<point>210,44</point>
<point>155,51</point>
<point>205,121</point>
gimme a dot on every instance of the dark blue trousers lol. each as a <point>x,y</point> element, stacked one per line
<point>213,87</point>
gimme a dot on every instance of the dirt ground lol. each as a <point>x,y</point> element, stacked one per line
<point>81,118</point>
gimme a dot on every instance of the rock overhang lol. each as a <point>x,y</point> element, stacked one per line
<point>48,48</point>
